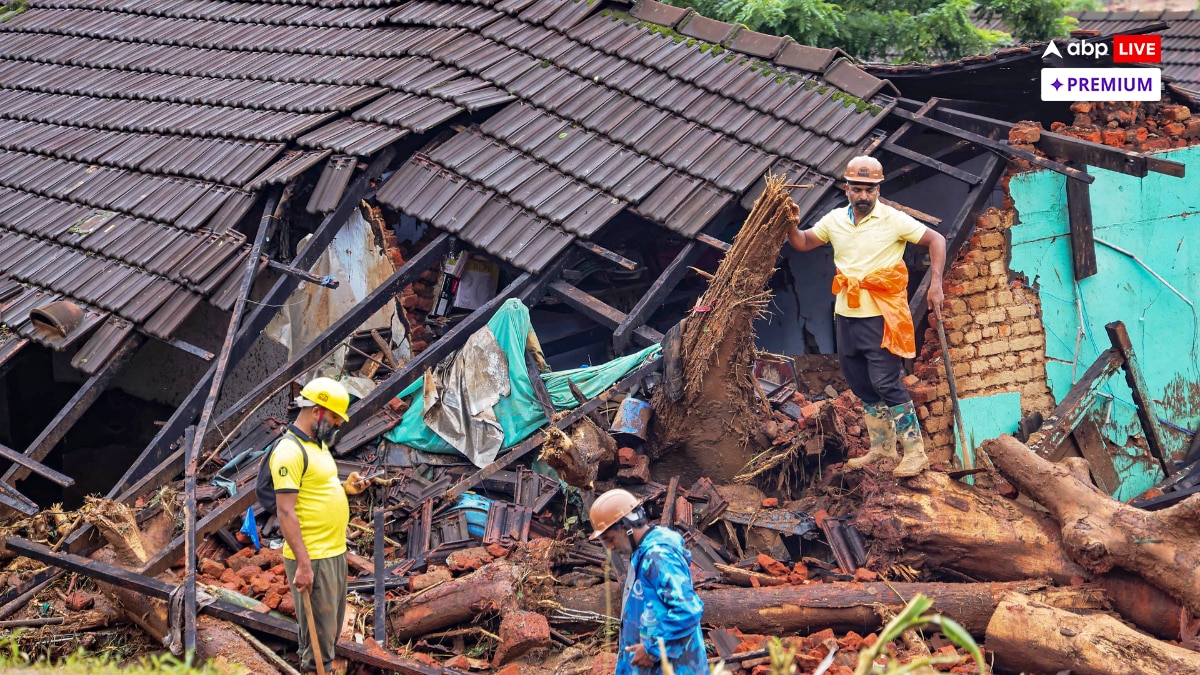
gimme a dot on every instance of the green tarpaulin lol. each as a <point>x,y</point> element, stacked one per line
<point>519,413</point>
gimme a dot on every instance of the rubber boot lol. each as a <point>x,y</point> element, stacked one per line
<point>904,417</point>
<point>883,436</point>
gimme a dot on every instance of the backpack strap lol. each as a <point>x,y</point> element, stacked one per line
<point>299,444</point>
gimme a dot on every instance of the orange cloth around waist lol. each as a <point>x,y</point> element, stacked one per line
<point>888,287</point>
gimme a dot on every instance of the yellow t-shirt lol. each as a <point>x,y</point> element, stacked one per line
<point>876,242</point>
<point>321,505</point>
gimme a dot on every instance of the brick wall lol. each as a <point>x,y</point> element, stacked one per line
<point>997,344</point>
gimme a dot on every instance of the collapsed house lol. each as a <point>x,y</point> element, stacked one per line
<point>373,186</point>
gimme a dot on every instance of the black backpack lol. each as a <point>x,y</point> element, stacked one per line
<point>264,484</point>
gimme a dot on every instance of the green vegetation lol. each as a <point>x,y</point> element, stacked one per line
<point>13,661</point>
<point>12,8</point>
<point>899,30</point>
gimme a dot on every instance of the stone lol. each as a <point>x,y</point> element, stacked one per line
<point>435,575</point>
<point>519,633</point>
<point>497,551</point>
<point>468,559</point>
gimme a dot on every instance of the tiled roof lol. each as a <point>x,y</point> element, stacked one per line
<point>135,134</point>
<point>1181,40</point>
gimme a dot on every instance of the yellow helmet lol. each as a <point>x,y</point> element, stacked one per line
<point>329,394</point>
<point>608,510</point>
<point>864,169</point>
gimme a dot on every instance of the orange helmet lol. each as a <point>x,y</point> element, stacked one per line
<point>608,510</point>
<point>864,169</point>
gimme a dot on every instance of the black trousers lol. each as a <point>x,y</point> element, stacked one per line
<point>873,373</point>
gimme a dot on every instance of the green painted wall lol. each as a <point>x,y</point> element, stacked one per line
<point>1157,219</point>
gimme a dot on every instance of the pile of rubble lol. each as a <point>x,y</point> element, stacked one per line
<point>1131,125</point>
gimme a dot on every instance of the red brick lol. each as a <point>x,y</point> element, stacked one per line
<point>247,552</point>
<point>864,574</point>
<point>468,559</point>
<point>261,583</point>
<point>1115,138</point>
<point>626,457</point>
<point>279,570</point>
<point>237,564</point>
<point>80,601</point>
<point>770,503</point>
<point>604,663</point>
<point>1083,107</point>
<point>511,669</point>
<point>1156,144</point>
<point>1092,135</point>
<point>519,633</point>
<point>772,566</point>
<point>212,568</point>
<point>1176,113</point>
<point>286,606</point>
<point>852,641</point>
<point>272,599</point>
<point>1174,129</point>
<point>229,576</point>
<point>248,572</point>
<point>435,575</point>
<point>1025,132</point>
<point>1057,126</point>
<point>460,662</point>
<point>638,474</point>
<point>798,574</point>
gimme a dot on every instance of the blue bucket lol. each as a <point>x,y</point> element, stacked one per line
<point>475,508</point>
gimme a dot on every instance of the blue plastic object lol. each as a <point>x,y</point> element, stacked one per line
<point>632,417</point>
<point>250,528</point>
<point>475,508</point>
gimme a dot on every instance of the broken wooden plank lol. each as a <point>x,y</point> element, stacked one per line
<point>535,441</point>
<point>251,329</point>
<point>220,609</point>
<point>1090,441</point>
<point>713,242</point>
<point>598,250</point>
<point>1074,405</point>
<point>941,167</point>
<point>599,311</point>
<point>655,295</point>
<point>1079,214</point>
<point>330,338</point>
<point>539,385</point>
<point>1147,408</point>
<point>434,353</point>
<point>36,467</point>
<point>380,570</point>
<point>216,519</point>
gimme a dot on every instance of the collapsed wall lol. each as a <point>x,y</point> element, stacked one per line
<point>997,342</point>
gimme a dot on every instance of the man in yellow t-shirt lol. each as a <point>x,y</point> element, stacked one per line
<point>873,326</point>
<point>314,513</point>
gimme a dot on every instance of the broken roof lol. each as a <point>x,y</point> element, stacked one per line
<point>136,135</point>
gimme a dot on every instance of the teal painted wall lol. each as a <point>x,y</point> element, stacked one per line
<point>1157,219</point>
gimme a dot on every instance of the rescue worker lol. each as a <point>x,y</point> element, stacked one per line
<point>314,513</point>
<point>659,601</point>
<point>873,325</point>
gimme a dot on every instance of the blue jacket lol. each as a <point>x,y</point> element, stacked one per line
<point>660,602</point>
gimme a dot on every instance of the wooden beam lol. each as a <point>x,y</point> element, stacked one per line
<point>708,240</point>
<point>1147,408</point>
<point>1074,405</point>
<point>276,201</point>
<point>599,311</point>
<point>535,441</point>
<point>1090,441</point>
<point>656,295</point>
<point>329,339</point>
<point>932,221</point>
<point>941,167</point>
<point>36,467</point>
<point>217,518</point>
<point>961,227</point>
<point>611,256</point>
<point>224,610</point>
<point>433,354</point>
<point>1070,148</point>
<point>17,501</point>
<point>8,352</point>
<point>265,309</point>
<point>1079,213</point>
<point>84,397</point>
<point>998,146</point>
<point>912,173</point>
<point>184,346</point>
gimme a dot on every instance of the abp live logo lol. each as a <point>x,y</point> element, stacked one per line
<point>1137,49</point>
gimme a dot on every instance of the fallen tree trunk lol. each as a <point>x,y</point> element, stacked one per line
<point>131,548</point>
<point>1101,533</point>
<point>933,522</point>
<point>491,588</point>
<point>1027,635</point>
<point>713,421</point>
<point>847,606</point>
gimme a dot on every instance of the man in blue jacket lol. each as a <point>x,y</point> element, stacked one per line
<point>659,601</point>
